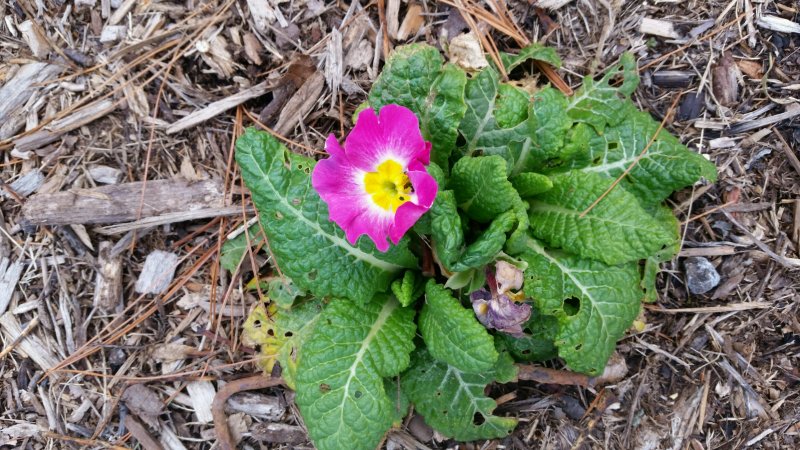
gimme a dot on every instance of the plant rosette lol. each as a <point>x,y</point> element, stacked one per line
<point>499,188</point>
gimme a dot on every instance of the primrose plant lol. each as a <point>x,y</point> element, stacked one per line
<point>464,225</point>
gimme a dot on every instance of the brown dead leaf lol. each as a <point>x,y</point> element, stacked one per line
<point>751,68</point>
<point>465,51</point>
<point>143,402</point>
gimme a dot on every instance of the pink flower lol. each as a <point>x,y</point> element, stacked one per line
<point>377,183</point>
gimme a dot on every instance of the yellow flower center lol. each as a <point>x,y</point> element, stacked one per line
<point>389,186</point>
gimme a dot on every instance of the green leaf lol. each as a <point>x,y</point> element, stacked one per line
<point>452,333</point>
<point>535,51</point>
<point>481,187</point>
<point>283,292</point>
<point>280,335</point>
<point>539,341</point>
<point>669,222</point>
<point>413,77</point>
<point>600,103</point>
<point>407,77</point>
<point>615,231</point>
<point>409,288</point>
<point>529,184</point>
<point>666,166</point>
<point>233,250</point>
<point>453,402</point>
<point>547,127</point>
<point>479,125</point>
<point>485,249</point>
<point>309,248</point>
<point>511,105</point>
<point>594,303</point>
<point>446,230</point>
<point>340,379</point>
<point>442,112</point>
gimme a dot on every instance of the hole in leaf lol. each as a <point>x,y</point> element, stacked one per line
<point>526,352</point>
<point>278,215</point>
<point>312,275</point>
<point>553,162</point>
<point>358,394</point>
<point>444,413</point>
<point>613,145</point>
<point>571,306</point>
<point>324,388</point>
<point>288,334</point>
<point>438,393</point>
<point>478,419</point>
<point>578,347</point>
<point>256,324</point>
<point>271,332</point>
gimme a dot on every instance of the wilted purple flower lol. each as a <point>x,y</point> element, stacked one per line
<point>495,310</point>
<point>509,277</point>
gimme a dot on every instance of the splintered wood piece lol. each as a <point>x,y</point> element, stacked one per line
<point>26,184</point>
<point>180,216</point>
<point>15,93</point>
<point>122,202</point>
<point>280,433</point>
<point>31,345</point>
<point>57,128</point>
<point>300,104</point>
<point>9,276</point>
<point>157,273</point>
<point>202,395</point>
<point>267,407</point>
<point>108,283</point>
<point>658,27</point>
<point>220,106</point>
<point>725,81</point>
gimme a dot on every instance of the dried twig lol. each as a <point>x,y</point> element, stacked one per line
<point>224,437</point>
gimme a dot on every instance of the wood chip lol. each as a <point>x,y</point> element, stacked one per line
<point>180,216</point>
<point>57,128</point>
<point>30,345</point>
<point>104,174</point>
<point>121,202</point>
<point>725,81</point>
<point>792,110</point>
<point>9,276</point>
<point>113,33</point>
<point>202,395</point>
<point>26,184</point>
<point>216,108</point>
<point>412,22</point>
<point>278,433</point>
<point>658,27</point>
<point>778,24</point>
<point>157,273</point>
<point>108,282</point>
<point>33,37</point>
<point>300,104</point>
<point>121,12</point>
<point>267,407</point>
<point>141,434</point>
<point>16,92</point>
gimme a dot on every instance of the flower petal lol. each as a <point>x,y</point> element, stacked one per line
<point>340,185</point>
<point>393,134</point>
<point>500,313</point>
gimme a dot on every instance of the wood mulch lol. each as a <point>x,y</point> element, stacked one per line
<point>117,188</point>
